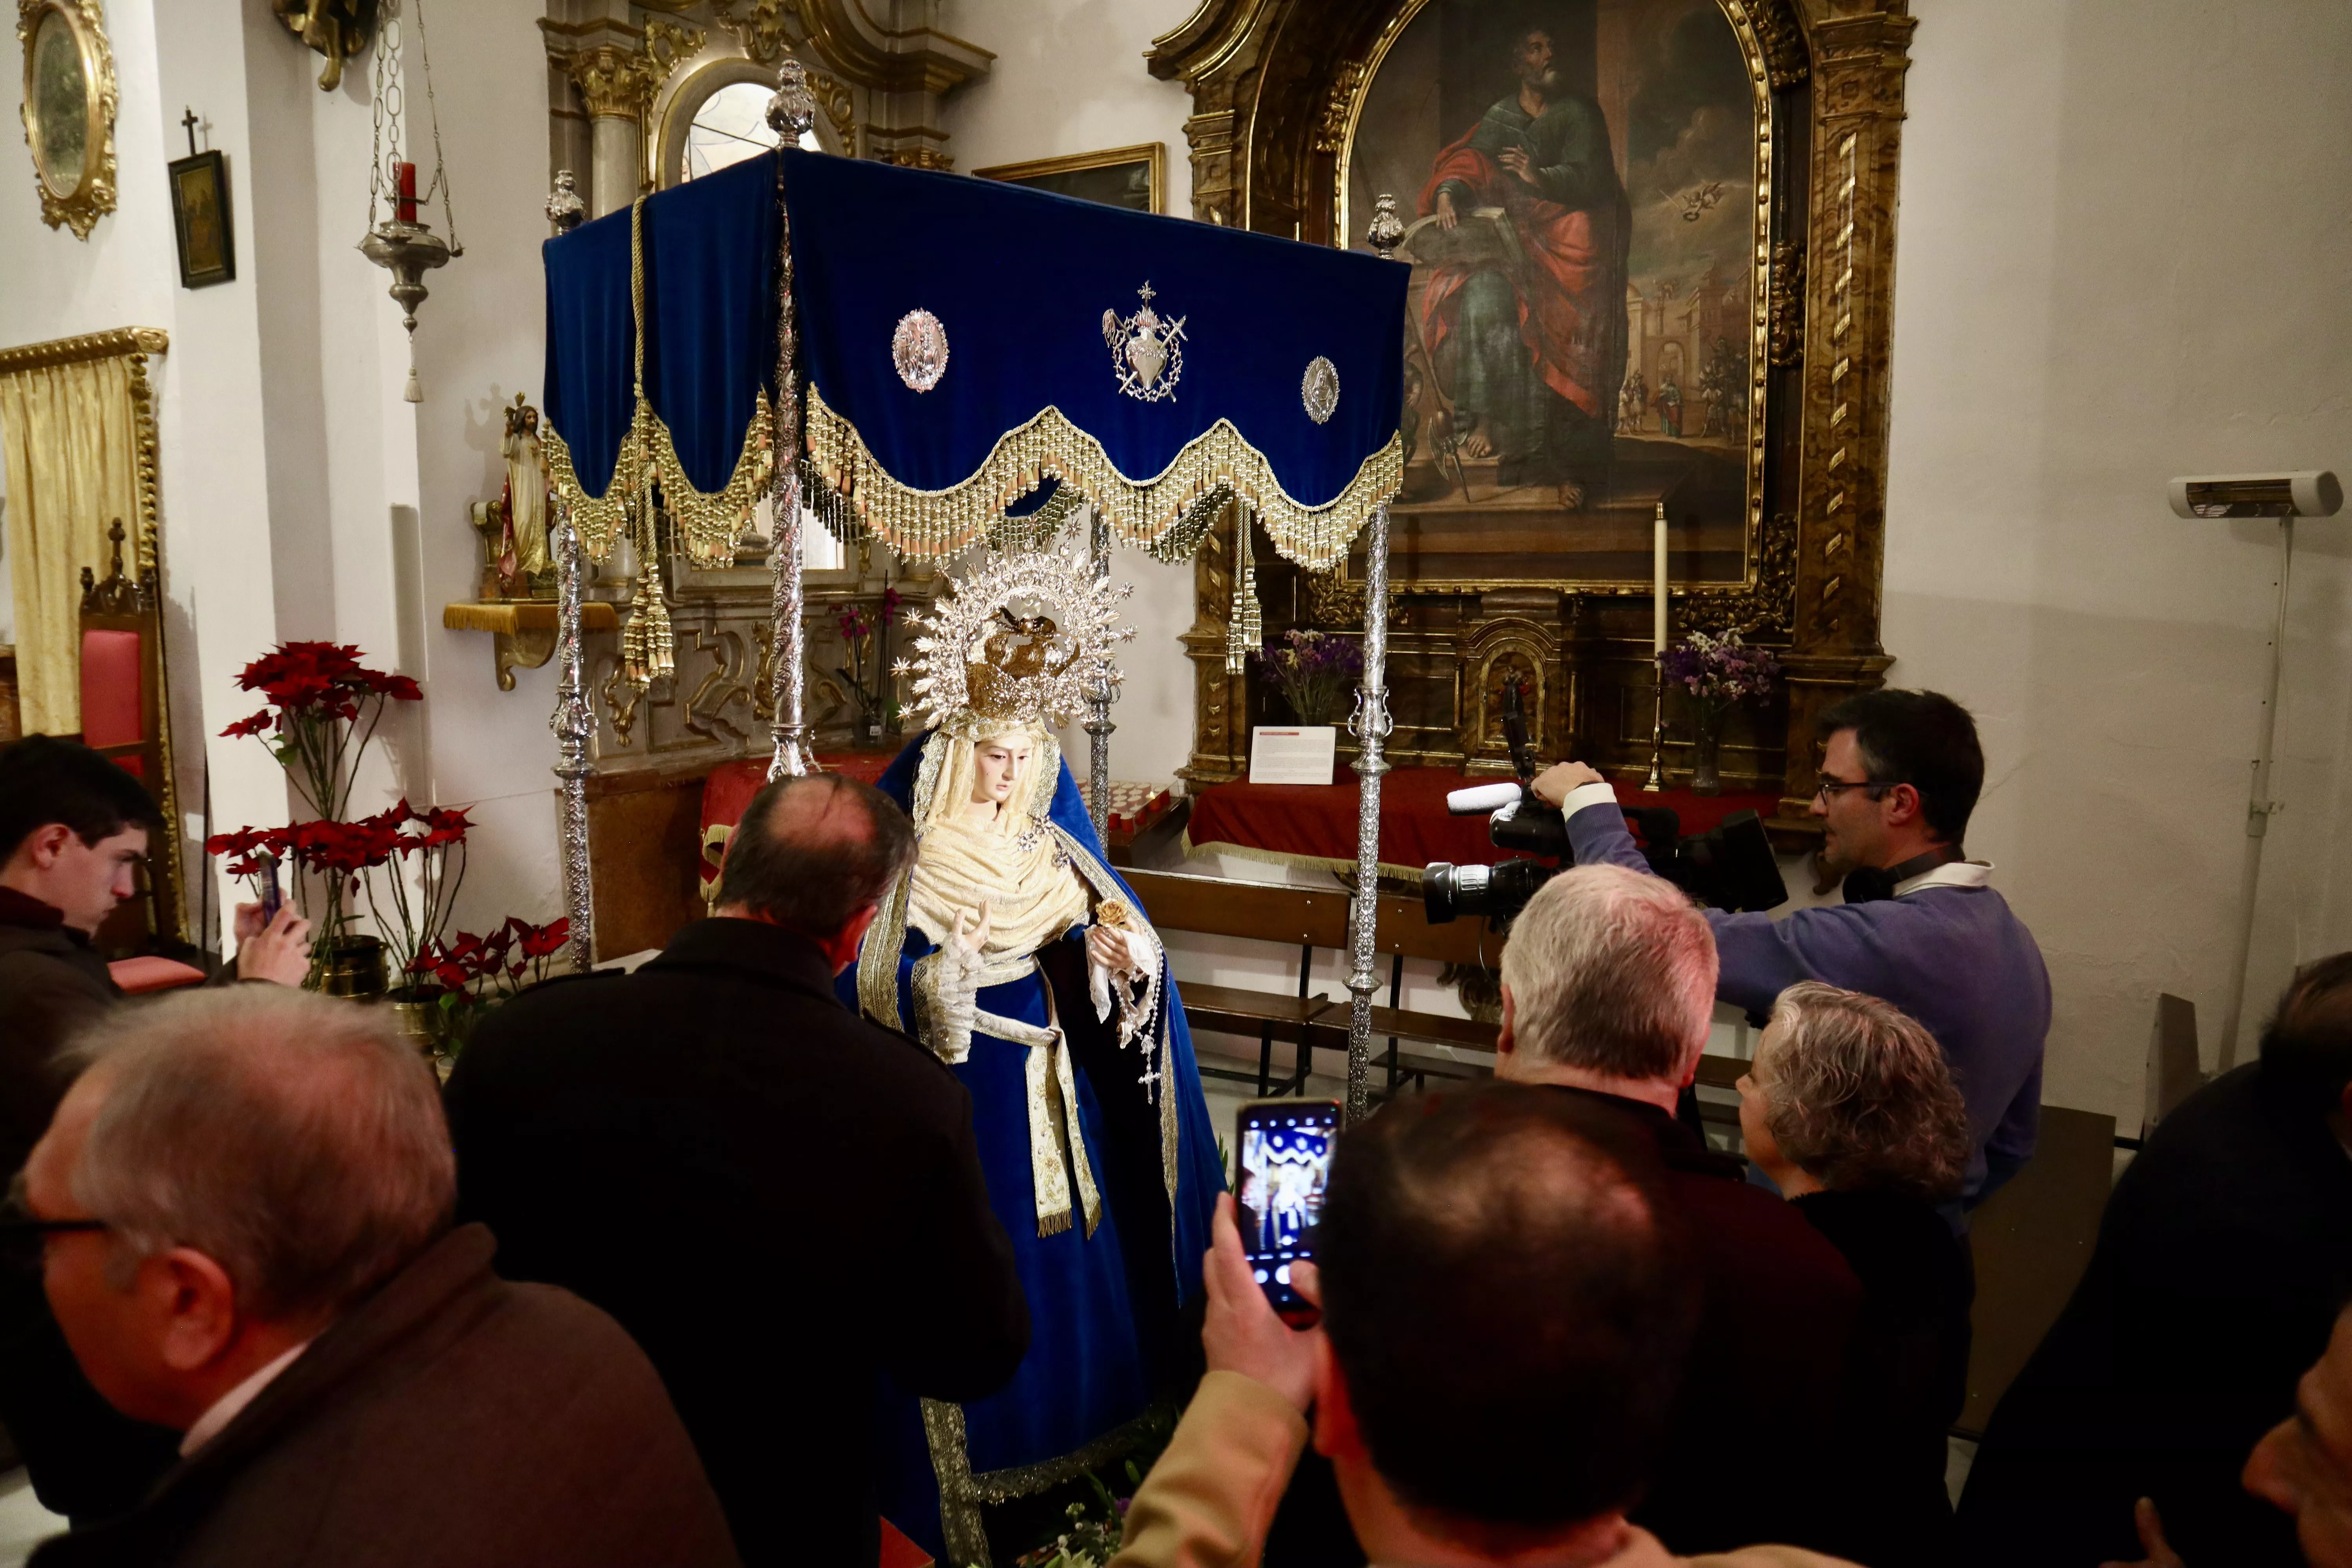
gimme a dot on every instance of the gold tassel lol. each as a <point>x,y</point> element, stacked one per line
<point>1244,628</point>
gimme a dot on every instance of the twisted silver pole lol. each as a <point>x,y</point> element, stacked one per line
<point>1371,725</point>
<point>575,723</point>
<point>790,111</point>
<point>1098,724</point>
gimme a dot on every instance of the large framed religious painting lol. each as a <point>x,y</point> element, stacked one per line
<point>1585,334</point>
<point>1652,245</point>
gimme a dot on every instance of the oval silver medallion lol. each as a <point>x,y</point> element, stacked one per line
<point>920,350</point>
<point>1319,389</point>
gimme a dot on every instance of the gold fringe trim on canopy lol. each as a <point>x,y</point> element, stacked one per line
<point>1245,626</point>
<point>932,525</point>
<point>709,521</point>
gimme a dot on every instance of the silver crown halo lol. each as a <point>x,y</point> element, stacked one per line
<point>1025,638</point>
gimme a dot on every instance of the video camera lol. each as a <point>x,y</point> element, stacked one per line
<point>1731,867</point>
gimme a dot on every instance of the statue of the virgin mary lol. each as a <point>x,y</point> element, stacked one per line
<point>1016,952</point>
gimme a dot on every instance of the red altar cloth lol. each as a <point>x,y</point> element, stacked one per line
<point>1316,823</point>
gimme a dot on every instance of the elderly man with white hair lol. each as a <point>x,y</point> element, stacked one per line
<point>243,1204</point>
<point>1607,988</point>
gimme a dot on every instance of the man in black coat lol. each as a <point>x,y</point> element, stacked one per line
<point>780,1200</point>
<point>73,830</point>
<point>243,1206</point>
<point>2223,1259</point>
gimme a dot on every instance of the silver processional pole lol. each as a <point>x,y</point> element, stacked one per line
<point>792,111</point>
<point>575,725</point>
<point>1098,724</point>
<point>1371,725</point>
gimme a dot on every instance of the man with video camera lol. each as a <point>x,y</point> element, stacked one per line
<point>1921,926</point>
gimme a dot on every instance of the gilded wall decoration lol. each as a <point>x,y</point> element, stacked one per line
<point>69,110</point>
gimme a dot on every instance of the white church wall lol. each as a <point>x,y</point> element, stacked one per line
<point>2119,258</point>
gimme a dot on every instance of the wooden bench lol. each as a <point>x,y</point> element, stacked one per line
<point>1316,917</point>
<point>1257,911</point>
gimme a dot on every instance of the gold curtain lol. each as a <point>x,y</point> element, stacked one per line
<point>71,437</point>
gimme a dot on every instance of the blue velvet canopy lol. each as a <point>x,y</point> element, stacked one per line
<point>965,341</point>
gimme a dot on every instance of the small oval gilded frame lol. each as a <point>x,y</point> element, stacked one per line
<point>69,110</point>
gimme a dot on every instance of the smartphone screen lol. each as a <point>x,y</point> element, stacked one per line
<point>272,896</point>
<point>1286,1167</point>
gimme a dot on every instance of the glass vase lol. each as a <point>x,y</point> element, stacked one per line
<point>1707,752</point>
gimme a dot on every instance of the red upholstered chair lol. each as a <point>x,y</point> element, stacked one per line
<point>123,717</point>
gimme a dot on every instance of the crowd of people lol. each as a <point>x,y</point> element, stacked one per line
<point>624,1292</point>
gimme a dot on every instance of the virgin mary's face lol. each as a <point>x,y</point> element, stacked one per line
<point>998,763</point>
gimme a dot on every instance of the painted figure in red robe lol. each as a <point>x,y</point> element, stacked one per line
<point>1528,331</point>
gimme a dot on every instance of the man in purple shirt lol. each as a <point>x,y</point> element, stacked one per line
<point>1921,926</point>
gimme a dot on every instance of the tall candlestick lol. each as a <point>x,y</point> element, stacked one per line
<point>1658,575</point>
<point>1657,777</point>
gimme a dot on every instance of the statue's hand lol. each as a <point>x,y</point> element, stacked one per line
<point>1113,950</point>
<point>970,935</point>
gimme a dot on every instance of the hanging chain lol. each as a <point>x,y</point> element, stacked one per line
<point>382,182</point>
<point>391,101</point>
<point>433,115</point>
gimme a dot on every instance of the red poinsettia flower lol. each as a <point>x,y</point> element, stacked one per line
<point>252,726</point>
<point>544,941</point>
<point>442,826</point>
<point>324,677</point>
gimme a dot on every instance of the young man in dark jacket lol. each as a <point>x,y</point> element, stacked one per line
<point>73,830</point>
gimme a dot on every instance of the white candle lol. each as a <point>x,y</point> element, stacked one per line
<point>1658,605</point>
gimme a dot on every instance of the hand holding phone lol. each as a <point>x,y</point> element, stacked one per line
<point>1241,1332</point>
<point>1285,1169</point>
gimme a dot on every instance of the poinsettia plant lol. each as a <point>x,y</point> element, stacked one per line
<point>321,709</point>
<point>469,974</point>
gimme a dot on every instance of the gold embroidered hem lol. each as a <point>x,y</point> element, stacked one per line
<point>930,525</point>
<point>964,1491</point>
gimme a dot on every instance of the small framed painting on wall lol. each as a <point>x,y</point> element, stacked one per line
<point>200,217</point>
<point>1131,177</point>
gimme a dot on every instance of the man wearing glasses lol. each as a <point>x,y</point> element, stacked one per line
<point>1921,925</point>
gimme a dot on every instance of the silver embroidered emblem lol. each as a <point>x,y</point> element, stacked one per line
<point>1147,353</point>
<point>1319,389</point>
<point>920,350</point>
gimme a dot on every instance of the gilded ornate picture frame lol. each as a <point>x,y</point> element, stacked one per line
<point>1303,111</point>
<point>1134,177</point>
<point>69,110</point>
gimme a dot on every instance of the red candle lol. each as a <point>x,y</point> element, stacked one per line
<point>403,206</point>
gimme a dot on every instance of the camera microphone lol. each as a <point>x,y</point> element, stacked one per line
<point>1481,800</point>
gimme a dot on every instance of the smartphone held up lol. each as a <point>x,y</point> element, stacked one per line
<point>1285,1155</point>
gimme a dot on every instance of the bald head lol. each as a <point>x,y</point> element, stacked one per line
<point>813,853</point>
<point>1497,1262</point>
<point>293,1139</point>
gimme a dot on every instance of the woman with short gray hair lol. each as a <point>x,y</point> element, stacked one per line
<point>1851,1111</point>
